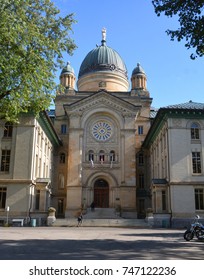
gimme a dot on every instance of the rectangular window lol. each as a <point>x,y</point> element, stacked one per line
<point>2,198</point>
<point>141,180</point>
<point>195,132</point>
<point>62,158</point>
<point>8,129</point>
<point>199,199</point>
<point>141,159</point>
<point>37,200</point>
<point>140,129</point>
<point>164,201</point>
<point>63,129</point>
<point>5,160</point>
<point>196,162</point>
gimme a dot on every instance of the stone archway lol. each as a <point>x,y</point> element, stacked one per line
<point>101,193</point>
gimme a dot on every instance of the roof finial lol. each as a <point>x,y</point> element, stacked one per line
<point>103,34</point>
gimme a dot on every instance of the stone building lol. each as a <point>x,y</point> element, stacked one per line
<point>102,126</point>
<point>174,148</point>
<point>103,143</point>
<point>25,172</point>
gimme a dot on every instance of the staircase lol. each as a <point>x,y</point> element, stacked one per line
<point>102,213</point>
<point>102,217</point>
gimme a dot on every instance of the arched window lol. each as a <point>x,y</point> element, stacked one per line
<point>8,129</point>
<point>195,131</point>
<point>112,156</point>
<point>101,156</point>
<point>91,155</point>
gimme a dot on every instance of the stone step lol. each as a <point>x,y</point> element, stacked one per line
<point>101,213</point>
<point>87,222</point>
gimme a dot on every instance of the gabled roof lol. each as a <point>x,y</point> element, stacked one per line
<point>100,98</point>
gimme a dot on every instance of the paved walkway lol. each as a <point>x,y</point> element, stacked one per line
<point>88,243</point>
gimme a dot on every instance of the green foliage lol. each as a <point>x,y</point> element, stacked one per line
<point>191,19</point>
<point>33,38</point>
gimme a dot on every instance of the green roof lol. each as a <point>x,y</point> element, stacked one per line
<point>67,69</point>
<point>188,105</point>
<point>188,110</point>
<point>46,124</point>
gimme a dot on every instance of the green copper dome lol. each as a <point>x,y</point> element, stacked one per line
<point>103,58</point>
<point>67,69</point>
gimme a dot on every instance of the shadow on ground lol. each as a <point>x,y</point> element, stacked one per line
<point>108,249</point>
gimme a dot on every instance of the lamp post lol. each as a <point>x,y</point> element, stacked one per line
<point>7,214</point>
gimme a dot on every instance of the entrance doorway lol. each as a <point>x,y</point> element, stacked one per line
<point>101,193</point>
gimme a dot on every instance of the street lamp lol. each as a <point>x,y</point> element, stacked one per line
<point>7,214</point>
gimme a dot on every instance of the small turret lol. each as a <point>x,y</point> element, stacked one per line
<point>138,78</point>
<point>67,77</point>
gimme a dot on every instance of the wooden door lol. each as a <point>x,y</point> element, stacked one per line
<point>101,194</point>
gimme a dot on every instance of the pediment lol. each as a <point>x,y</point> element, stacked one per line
<point>99,100</point>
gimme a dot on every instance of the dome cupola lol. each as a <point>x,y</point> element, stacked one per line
<point>67,76</point>
<point>138,78</point>
<point>103,68</point>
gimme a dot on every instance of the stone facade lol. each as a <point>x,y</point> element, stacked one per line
<point>26,162</point>
<point>91,160</point>
<point>175,145</point>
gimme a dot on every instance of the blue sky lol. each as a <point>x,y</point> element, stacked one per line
<point>138,35</point>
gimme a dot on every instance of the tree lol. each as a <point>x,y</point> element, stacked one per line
<point>191,19</point>
<point>33,38</point>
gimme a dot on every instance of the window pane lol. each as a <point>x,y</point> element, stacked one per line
<point>140,129</point>
<point>2,197</point>
<point>195,131</point>
<point>141,159</point>
<point>141,180</point>
<point>8,129</point>
<point>196,162</point>
<point>164,200</point>
<point>5,160</point>
<point>37,200</point>
<point>199,199</point>
<point>91,155</point>
<point>63,129</point>
<point>62,158</point>
<point>112,156</point>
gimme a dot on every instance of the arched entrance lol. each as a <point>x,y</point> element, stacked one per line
<point>101,193</point>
